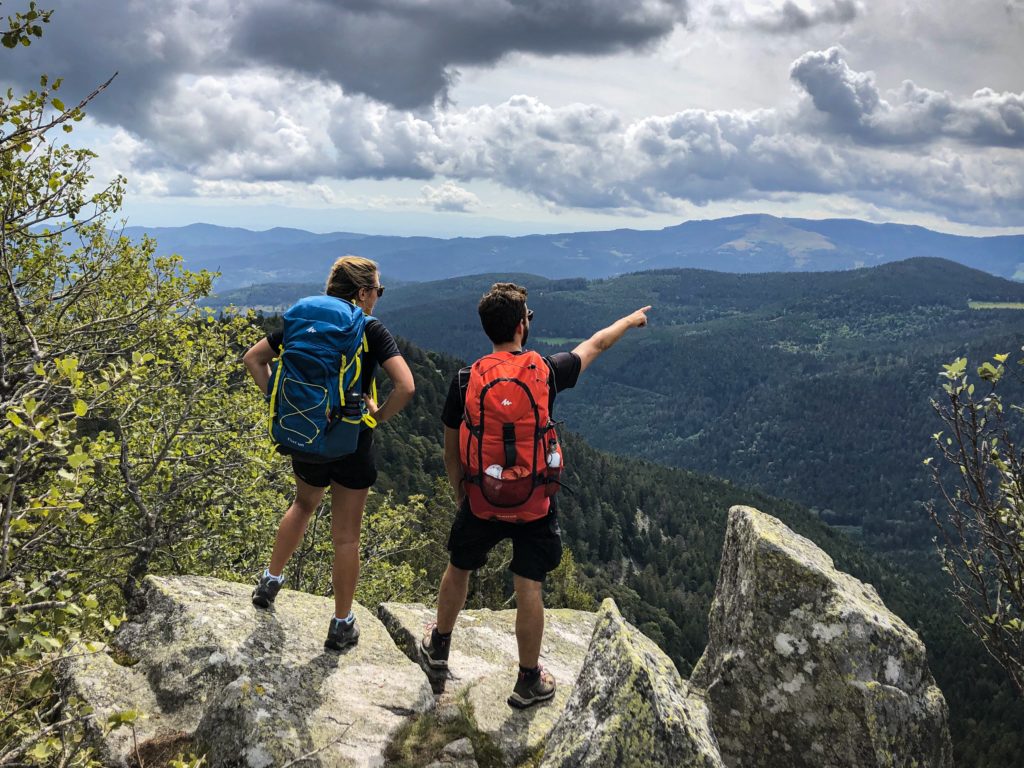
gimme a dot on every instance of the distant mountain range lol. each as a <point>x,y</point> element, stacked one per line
<point>751,243</point>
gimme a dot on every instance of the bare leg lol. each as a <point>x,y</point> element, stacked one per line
<point>293,524</point>
<point>346,519</point>
<point>529,619</point>
<point>451,597</point>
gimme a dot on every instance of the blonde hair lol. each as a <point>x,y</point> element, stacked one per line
<point>349,274</point>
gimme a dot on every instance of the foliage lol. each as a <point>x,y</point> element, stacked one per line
<point>120,447</point>
<point>24,25</point>
<point>981,519</point>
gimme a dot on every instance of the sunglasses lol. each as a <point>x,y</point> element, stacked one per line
<point>529,315</point>
<point>378,288</point>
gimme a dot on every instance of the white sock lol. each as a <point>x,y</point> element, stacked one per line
<point>348,619</point>
<point>278,579</point>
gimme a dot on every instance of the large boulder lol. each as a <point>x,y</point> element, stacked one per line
<point>250,688</point>
<point>806,667</point>
<point>483,665</point>
<point>630,708</point>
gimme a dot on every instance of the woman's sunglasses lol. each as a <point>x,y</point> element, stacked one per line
<point>378,288</point>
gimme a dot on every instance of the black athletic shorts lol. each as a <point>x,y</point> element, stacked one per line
<point>355,471</point>
<point>536,546</point>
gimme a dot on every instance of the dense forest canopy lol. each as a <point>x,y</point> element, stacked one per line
<point>814,387</point>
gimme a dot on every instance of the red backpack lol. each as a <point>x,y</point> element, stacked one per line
<point>508,446</point>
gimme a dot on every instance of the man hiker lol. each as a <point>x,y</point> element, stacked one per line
<point>504,473</point>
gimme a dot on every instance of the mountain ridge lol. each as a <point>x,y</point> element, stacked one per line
<point>741,244</point>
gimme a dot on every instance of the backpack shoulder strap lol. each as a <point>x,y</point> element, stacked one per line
<point>463,375</point>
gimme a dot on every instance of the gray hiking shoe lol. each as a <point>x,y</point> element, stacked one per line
<point>434,649</point>
<point>532,689</point>
<point>341,634</point>
<point>265,592</point>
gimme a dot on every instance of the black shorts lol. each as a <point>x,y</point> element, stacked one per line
<point>536,546</point>
<point>355,471</point>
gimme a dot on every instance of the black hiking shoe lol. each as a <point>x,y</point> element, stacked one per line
<point>265,592</point>
<point>532,688</point>
<point>434,649</point>
<point>341,634</point>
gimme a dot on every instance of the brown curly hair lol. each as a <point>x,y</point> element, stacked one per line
<point>501,309</point>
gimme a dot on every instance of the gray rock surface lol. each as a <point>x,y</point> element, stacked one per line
<point>806,667</point>
<point>630,707</point>
<point>255,688</point>
<point>458,754</point>
<point>484,662</point>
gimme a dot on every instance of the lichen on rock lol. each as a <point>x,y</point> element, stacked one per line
<point>805,666</point>
<point>630,707</point>
<point>252,688</point>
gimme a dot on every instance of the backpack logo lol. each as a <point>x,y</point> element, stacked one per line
<point>311,330</point>
<point>506,402</point>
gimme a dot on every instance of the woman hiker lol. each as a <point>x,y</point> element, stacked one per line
<point>355,280</point>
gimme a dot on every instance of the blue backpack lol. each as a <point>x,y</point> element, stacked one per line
<point>316,398</point>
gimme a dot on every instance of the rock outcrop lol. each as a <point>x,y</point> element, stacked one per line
<point>806,667</point>
<point>484,663</point>
<point>630,707</point>
<point>248,687</point>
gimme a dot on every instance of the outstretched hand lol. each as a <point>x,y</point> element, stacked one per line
<point>639,318</point>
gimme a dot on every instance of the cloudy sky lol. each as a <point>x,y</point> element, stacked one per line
<point>468,117</point>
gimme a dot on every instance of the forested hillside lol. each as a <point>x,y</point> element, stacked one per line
<point>651,536</point>
<point>814,387</point>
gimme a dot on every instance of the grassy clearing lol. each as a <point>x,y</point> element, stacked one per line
<point>995,304</point>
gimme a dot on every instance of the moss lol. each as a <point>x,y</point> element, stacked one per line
<point>121,657</point>
<point>420,740</point>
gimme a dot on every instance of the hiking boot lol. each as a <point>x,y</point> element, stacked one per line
<point>341,634</point>
<point>434,649</point>
<point>532,688</point>
<point>265,592</point>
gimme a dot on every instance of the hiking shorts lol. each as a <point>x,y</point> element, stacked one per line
<point>536,546</point>
<point>355,471</point>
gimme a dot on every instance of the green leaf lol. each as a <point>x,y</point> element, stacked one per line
<point>77,459</point>
<point>87,518</point>
<point>123,717</point>
<point>46,643</point>
<point>81,408</point>
<point>43,750</point>
<point>15,419</point>
<point>989,372</point>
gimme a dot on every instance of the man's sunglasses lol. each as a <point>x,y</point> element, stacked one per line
<point>529,315</point>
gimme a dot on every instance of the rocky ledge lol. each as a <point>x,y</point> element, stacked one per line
<point>804,667</point>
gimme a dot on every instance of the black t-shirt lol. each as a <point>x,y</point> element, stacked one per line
<point>381,345</point>
<point>565,370</point>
